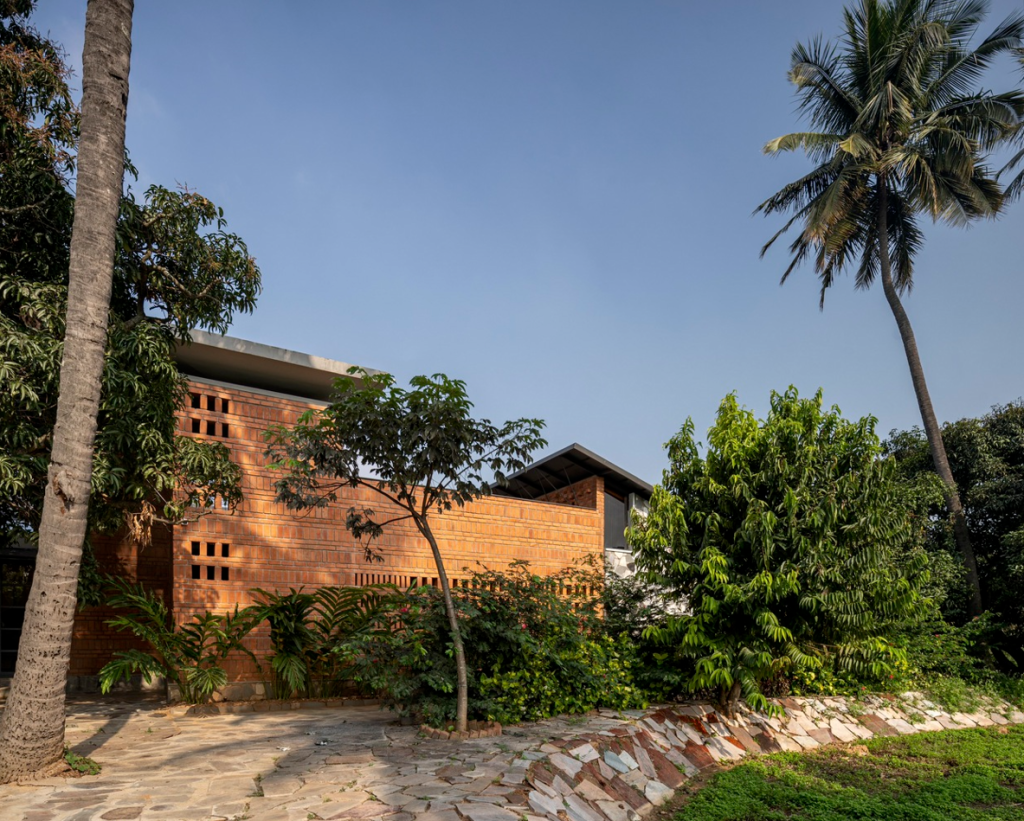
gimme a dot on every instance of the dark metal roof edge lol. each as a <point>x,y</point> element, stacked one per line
<point>608,467</point>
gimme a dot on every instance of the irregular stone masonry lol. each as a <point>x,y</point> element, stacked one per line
<point>621,773</point>
<point>357,763</point>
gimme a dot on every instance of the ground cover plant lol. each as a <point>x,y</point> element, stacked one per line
<point>968,774</point>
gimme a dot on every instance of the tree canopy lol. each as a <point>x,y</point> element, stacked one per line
<point>987,459</point>
<point>783,539</point>
<point>177,268</point>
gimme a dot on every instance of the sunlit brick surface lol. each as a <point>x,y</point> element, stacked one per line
<point>214,563</point>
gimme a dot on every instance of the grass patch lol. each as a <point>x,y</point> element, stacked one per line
<point>954,694</point>
<point>968,775</point>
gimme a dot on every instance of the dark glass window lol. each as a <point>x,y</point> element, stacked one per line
<point>614,522</point>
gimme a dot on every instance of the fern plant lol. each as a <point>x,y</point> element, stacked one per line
<point>190,656</point>
<point>306,630</point>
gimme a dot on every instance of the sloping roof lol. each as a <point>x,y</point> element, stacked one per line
<point>568,466</point>
<point>233,361</point>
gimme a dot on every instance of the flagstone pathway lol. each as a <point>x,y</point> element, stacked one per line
<point>357,763</point>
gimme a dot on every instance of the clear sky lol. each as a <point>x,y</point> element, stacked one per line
<point>550,200</point>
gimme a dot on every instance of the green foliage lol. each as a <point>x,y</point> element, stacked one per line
<point>824,681</point>
<point>899,112</point>
<point>986,456</point>
<point>80,763</point>
<point>632,606</point>
<point>782,540</point>
<point>957,666</point>
<point>967,774</point>
<point>534,648</point>
<point>190,655</point>
<point>564,678</point>
<point>92,584</point>
<point>306,630</point>
<point>176,269</point>
<point>426,452</point>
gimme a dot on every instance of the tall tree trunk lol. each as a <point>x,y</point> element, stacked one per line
<point>462,683</point>
<point>32,727</point>
<point>931,425</point>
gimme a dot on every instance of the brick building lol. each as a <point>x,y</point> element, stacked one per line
<point>565,507</point>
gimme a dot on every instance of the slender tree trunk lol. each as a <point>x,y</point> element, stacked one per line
<point>727,698</point>
<point>462,683</point>
<point>931,425</point>
<point>32,726</point>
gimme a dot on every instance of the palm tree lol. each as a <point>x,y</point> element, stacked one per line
<point>902,132</point>
<point>32,726</point>
<point>1015,187</point>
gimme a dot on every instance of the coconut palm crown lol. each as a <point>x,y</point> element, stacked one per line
<point>903,129</point>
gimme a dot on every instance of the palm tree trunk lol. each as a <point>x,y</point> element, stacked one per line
<point>462,683</point>
<point>931,425</point>
<point>32,726</point>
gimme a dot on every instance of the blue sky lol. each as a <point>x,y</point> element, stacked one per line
<point>551,201</point>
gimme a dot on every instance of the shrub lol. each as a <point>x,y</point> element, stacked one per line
<point>534,647</point>
<point>567,678</point>
<point>791,544</point>
<point>190,655</point>
<point>632,605</point>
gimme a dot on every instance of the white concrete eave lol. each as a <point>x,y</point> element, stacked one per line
<point>233,361</point>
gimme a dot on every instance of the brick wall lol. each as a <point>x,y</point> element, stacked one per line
<point>215,562</point>
<point>92,641</point>
<point>580,494</point>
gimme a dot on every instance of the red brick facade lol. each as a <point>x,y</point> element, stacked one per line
<point>215,563</point>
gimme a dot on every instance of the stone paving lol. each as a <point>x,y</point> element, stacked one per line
<point>357,763</point>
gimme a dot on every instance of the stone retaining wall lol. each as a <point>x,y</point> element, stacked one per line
<point>622,773</point>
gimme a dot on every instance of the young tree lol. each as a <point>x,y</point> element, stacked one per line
<point>783,540</point>
<point>32,726</point>
<point>424,450</point>
<point>903,131</point>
